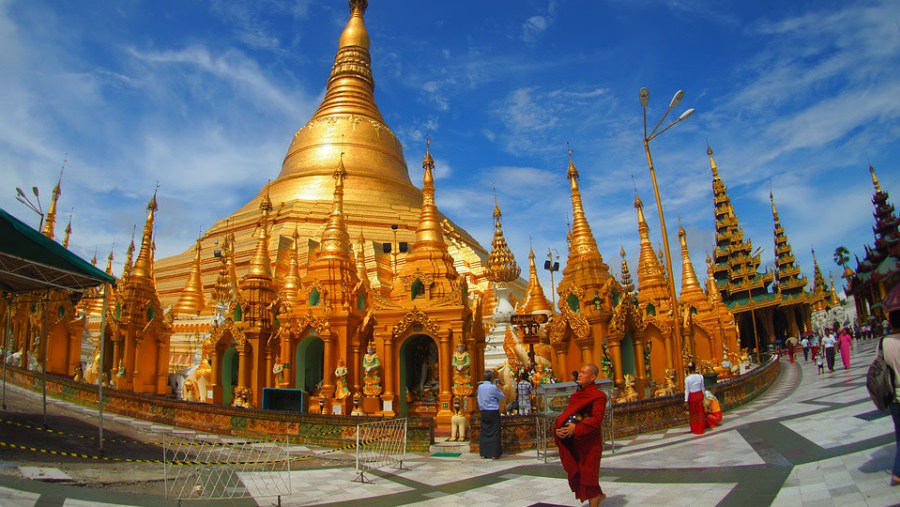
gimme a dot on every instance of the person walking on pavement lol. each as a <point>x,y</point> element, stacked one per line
<point>846,343</point>
<point>489,398</point>
<point>890,346</point>
<point>791,344</point>
<point>828,342</point>
<point>804,342</point>
<point>578,433</point>
<point>693,399</point>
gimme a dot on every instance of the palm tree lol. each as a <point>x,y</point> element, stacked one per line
<point>841,256</point>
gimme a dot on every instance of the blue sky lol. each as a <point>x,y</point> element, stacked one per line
<point>205,97</point>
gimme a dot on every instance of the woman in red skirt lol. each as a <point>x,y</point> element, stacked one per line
<point>693,399</point>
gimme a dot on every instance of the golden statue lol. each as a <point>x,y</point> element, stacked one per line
<point>278,371</point>
<point>462,378</point>
<point>669,388</point>
<point>372,368</point>
<point>340,380</point>
<point>630,394</point>
<point>79,375</point>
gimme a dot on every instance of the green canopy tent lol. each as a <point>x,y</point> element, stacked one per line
<point>32,262</point>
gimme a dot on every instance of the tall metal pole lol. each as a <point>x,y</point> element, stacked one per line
<point>44,334</point>
<point>665,237</point>
<point>9,310</point>
<point>101,366</point>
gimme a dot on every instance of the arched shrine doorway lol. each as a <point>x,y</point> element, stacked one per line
<point>419,376</point>
<point>229,375</point>
<point>309,359</point>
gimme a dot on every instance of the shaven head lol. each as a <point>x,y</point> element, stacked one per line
<point>588,374</point>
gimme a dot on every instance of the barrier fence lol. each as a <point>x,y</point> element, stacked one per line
<point>202,469</point>
<point>378,445</point>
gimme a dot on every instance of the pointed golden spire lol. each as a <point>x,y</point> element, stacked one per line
<point>143,266</point>
<point>109,260</point>
<point>335,239</point>
<point>361,260</point>
<point>231,264</point>
<point>875,179</point>
<point>818,279</point>
<point>128,267</point>
<point>627,284</point>
<point>712,162</point>
<point>290,289</point>
<point>712,290</point>
<point>351,88</point>
<point>774,209</point>
<point>50,222</point>
<point>690,287</point>
<point>501,265</point>
<point>583,242</point>
<point>192,300</point>
<point>834,297</point>
<point>94,260</point>
<point>260,265</point>
<point>535,300</point>
<point>68,232</point>
<point>650,272</point>
<point>428,233</point>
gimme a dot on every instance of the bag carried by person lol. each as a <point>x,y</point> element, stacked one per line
<point>880,381</point>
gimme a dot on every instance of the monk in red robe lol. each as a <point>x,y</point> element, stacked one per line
<point>579,437</point>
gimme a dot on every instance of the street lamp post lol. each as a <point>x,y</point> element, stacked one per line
<point>33,206</point>
<point>552,266</point>
<point>653,134</point>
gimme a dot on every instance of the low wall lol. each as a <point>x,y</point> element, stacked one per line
<point>321,430</point>
<point>643,416</point>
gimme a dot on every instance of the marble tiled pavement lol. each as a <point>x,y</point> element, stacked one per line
<point>809,440</point>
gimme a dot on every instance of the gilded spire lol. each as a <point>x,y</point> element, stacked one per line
<point>691,289</point>
<point>94,260</point>
<point>351,88</point>
<point>428,232</point>
<point>109,260</point>
<point>535,300</point>
<point>712,162</point>
<point>774,209</point>
<point>68,232</point>
<point>335,239</point>
<point>260,265</point>
<point>712,291</point>
<point>502,265</point>
<point>650,272</point>
<point>128,267</point>
<point>143,266</point>
<point>290,289</point>
<point>875,179</point>
<point>627,284</point>
<point>192,300</point>
<point>834,297</point>
<point>790,281</point>
<point>50,222</point>
<point>583,242</point>
<point>231,264</point>
<point>361,260</point>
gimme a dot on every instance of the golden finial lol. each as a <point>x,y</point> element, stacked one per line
<point>583,242</point>
<point>774,209</point>
<point>712,162</point>
<point>192,300</point>
<point>50,222</point>
<point>875,179</point>
<point>690,287</point>
<point>502,265</point>
<point>335,239</point>
<point>143,266</point>
<point>428,231</point>
<point>290,288</point>
<point>68,230</point>
<point>94,258</point>
<point>627,284</point>
<point>109,260</point>
<point>535,300</point>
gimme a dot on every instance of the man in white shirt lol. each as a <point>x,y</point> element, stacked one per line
<point>804,342</point>
<point>828,343</point>
<point>693,398</point>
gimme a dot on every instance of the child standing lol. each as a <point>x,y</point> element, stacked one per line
<point>820,361</point>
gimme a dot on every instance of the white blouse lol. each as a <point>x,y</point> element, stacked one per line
<point>692,384</point>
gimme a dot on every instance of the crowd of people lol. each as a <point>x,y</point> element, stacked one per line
<point>824,348</point>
